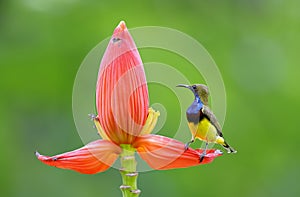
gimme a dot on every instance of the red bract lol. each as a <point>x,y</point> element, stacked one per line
<point>122,95</point>
<point>124,118</point>
<point>95,157</point>
<point>162,153</point>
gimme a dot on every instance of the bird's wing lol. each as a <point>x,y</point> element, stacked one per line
<point>212,118</point>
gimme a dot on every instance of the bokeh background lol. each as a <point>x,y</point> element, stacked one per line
<point>255,43</point>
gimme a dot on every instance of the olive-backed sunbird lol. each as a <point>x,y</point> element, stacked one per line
<point>202,123</point>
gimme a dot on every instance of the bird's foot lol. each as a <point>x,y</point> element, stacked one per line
<point>202,155</point>
<point>186,146</point>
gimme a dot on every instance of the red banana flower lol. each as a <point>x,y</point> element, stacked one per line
<point>124,118</point>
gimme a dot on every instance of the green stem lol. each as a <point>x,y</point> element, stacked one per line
<point>128,172</point>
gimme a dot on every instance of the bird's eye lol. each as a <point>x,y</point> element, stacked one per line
<point>194,87</point>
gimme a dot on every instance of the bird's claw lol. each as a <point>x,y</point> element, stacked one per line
<point>202,156</point>
<point>186,146</point>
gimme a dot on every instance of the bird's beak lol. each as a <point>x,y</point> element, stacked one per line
<point>184,86</point>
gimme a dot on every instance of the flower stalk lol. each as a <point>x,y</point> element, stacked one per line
<point>128,172</point>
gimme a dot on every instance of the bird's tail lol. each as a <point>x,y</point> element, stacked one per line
<point>228,148</point>
<point>220,140</point>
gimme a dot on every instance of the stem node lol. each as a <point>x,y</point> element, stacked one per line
<point>128,172</point>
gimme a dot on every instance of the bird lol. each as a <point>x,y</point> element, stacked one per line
<point>202,122</point>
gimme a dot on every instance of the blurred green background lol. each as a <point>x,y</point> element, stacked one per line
<point>255,43</point>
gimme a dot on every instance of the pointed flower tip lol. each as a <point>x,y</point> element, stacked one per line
<point>210,153</point>
<point>120,28</point>
<point>37,154</point>
<point>218,152</point>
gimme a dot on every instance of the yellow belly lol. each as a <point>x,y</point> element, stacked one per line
<point>204,131</point>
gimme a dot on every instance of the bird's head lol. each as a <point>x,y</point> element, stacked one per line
<point>200,90</point>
